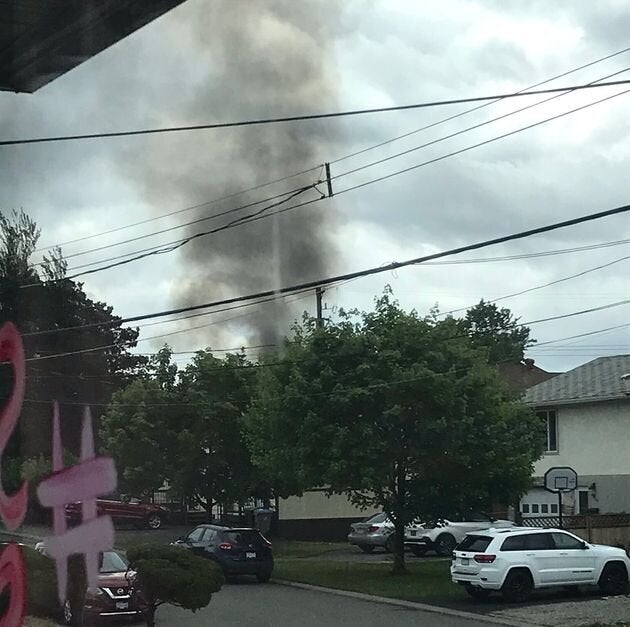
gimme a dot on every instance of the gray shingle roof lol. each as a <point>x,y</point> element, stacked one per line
<point>597,380</point>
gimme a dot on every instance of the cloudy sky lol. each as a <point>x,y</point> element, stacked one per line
<point>214,60</point>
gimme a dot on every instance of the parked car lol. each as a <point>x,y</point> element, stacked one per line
<point>520,560</point>
<point>128,510</point>
<point>237,550</point>
<point>115,596</point>
<point>444,536</point>
<point>376,531</point>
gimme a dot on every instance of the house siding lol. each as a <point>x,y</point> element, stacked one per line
<point>594,439</point>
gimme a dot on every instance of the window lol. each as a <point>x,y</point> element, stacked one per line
<point>554,508</point>
<point>195,534</point>
<point>535,508</point>
<point>377,518</point>
<point>539,542</point>
<point>209,535</point>
<point>544,508</point>
<point>514,543</point>
<point>474,543</point>
<point>551,421</point>
<point>525,508</point>
<point>111,562</point>
<point>565,541</point>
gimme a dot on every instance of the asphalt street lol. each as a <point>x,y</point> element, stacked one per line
<point>246,604</point>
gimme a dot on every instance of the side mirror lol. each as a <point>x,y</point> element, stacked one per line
<point>585,546</point>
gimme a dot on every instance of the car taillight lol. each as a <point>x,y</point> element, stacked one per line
<point>373,528</point>
<point>226,546</point>
<point>483,558</point>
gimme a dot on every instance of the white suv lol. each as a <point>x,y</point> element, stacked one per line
<point>447,534</point>
<point>518,560</point>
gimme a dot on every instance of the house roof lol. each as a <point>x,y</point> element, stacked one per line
<point>42,39</point>
<point>524,374</point>
<point>597,380</point>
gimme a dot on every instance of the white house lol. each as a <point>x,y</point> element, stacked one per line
<point>587,413</point>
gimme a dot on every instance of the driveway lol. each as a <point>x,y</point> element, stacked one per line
<point>246,604</point>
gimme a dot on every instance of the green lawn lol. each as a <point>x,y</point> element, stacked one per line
<point>297,549</point>
<point>426,581</point>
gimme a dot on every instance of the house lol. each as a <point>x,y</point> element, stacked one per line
<point>587,416</point>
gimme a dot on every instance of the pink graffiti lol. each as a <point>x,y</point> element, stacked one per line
<point>12,508</point>
<point>92,477</point>
<point>13,574</point>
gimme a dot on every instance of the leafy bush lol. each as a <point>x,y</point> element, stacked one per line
<point>170,574</point>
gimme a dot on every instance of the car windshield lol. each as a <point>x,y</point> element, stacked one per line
<point>112,562</point>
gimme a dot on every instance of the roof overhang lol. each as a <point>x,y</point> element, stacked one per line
<point>42,39</point>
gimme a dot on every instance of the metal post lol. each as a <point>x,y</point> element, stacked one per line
<point>560,507</point>
<point>328,180</point>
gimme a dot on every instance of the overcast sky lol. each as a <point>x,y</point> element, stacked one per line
<point>209,61</point>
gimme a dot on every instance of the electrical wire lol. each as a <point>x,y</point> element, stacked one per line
<point>300,118</point>
<point>370,271</point>
<point>338,160</point>
<point>169,247</point>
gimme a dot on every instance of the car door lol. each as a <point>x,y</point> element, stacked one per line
<point>574,563</point>
<point>540,554</point>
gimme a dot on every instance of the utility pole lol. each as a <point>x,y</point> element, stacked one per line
<point>328,180</point>
<point>319,292</point>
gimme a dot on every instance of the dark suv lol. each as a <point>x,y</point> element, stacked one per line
<point>239,551</point>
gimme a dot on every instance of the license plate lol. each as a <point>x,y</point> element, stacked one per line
<point>465,561</point>
<point>412,533</point>
<point>250,556</point>
<point>122,605</point>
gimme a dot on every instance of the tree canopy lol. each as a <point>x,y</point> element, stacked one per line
<point>399,412</point>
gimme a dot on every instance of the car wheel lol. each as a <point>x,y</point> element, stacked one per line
<point>263,577</point>
<point>445,544</point>
<point>68,616</point>
<point>613,580</point>
<point>418,551</point>
<point>366,548</point>
<point>154,521</point>
<point>518,586</point>
<point>477,593</point>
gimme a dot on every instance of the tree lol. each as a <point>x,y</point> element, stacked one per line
<point>169,574</point>
<point>398,412</point>
<point>498,331</point>
<point>213,461</point>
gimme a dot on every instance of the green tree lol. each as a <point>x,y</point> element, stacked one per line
<point>498,331</point>
<point>213,461</point>
<point>398,412</point>
<point>168,574</point>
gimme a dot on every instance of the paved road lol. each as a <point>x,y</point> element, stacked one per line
<point>245,604</point>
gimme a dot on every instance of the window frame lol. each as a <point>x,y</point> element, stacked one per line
<point>551,435</point>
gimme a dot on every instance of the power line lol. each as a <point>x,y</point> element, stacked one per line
<point>337,160</point>
<point>587,334</point>
<point>539,287</point>
<point>577,313</point>
<point>247,219</point>
<point>374,270</point>
<point>300,118</point>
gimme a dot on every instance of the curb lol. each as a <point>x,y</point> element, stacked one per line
<point>425,607</point>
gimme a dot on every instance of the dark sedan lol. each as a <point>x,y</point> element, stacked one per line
<point>239,551</point>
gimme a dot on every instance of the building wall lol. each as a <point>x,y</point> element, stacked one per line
<point>315,516</point>
<point>593,439</point>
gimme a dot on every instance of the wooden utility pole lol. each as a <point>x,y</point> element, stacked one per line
<point>319,292</point>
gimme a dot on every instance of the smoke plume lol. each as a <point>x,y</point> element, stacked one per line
<point>265,58</point>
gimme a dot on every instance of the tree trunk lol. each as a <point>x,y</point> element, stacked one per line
<point>398,567</point>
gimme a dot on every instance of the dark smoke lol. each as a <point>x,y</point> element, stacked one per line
<point>255,59</point>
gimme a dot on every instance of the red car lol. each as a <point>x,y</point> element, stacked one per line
<point>129,510</point>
